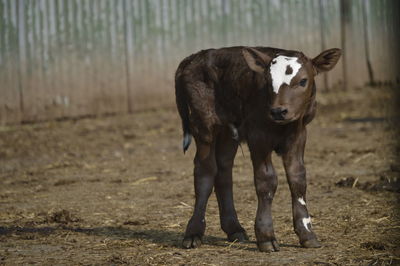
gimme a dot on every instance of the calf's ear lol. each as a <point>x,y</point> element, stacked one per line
<point>256,60</point>
<point>326,60</point>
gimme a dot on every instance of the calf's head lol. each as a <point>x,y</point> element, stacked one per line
<point>290,79</point>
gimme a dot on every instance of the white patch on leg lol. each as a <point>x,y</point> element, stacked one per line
<point>301,200</point>
<point>306,222</point>
<point>278,68</point>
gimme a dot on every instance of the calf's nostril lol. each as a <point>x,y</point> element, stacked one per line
<point>278,113</point>
<point>275,111</point>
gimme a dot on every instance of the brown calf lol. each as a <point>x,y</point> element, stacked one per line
<point>266,97</point>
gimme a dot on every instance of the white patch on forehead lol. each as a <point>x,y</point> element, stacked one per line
<point>301,200</point>
<point>306,222</point>
<point>278,68</point>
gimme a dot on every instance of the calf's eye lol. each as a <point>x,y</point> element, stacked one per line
<point>303,82</point>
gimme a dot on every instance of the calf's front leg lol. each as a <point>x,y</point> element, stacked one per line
<point>296,176</point>
<point>226,148</point>
<point>265,181</point>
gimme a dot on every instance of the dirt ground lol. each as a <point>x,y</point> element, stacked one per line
<point>118,190</point>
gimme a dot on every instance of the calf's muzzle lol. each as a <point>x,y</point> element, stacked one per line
<point>278,113</point>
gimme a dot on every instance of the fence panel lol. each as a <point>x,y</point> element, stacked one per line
<point>10,87</point>
<point>62,58</point>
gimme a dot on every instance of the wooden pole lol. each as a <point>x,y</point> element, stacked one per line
<point>366,44</point>
<point>322,29</point>
<point>126,53</point>
<point>344,17</point>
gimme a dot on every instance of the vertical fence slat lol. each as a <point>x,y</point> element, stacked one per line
<point>10,109</point>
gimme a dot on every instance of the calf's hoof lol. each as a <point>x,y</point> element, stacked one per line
<point>238,236</point>
<point>268,246</point>
<point>311,243</point>
<point>191,242</point>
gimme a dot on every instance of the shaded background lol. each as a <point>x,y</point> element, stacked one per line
<point>71,58</point>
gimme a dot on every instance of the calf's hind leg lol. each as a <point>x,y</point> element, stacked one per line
<point>205,170</point>
<point>226,148</point>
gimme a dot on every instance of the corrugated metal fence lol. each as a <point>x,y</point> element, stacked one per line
<point>63,58</point>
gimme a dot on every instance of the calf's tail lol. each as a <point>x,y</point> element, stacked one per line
<point>183,110</point>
